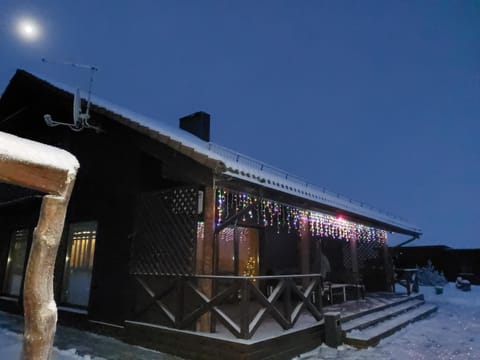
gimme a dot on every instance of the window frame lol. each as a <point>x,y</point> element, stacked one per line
<point>7,282</point>
<point>69,234</point>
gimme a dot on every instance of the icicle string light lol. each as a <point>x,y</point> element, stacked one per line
<point>278,215</point>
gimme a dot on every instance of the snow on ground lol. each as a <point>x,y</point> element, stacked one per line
<point>73,344</point>
<point>11,343</point>
<point>451,333</point>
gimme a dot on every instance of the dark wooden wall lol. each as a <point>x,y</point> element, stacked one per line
<point>281,255</point>
<point>116,165</point>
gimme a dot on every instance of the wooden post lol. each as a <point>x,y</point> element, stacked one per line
<point>287,301</point>
<point>305,239</point>
<point>354,255</point>
<point>318,295</point>
<point>39,304</point>
<point>388,266</point>
<point>52,170</point>
<point>180,293</point>
<point>244,314</point>
<point>205,254</point>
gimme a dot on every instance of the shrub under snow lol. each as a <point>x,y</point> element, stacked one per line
<point>427,275</point>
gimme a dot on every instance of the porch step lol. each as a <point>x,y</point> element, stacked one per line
<point>378,330</point>
<point>372,318</point>
<point>388,305</point>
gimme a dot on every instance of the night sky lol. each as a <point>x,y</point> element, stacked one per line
<point>376,100</point>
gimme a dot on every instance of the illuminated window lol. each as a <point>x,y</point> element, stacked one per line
<point>79,263</point>
<point>12,284</point>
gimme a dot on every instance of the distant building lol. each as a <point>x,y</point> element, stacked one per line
<point>452,262</point>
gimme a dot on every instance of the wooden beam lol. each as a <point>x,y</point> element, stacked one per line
<point>205,254</point>
<point>304,248</point>
<point>37,166</point>
<point>354,254</point>
<point>41,178</point>
<point>234,218</point>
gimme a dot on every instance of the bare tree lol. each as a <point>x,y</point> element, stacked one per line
<point>52,171</point>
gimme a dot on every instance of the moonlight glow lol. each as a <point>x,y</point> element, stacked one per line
<point>28,29</point>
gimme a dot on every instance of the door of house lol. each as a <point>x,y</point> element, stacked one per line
<point>79,263</point>
<point>238,251</point>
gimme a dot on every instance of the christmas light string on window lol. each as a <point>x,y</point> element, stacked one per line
<point>277,215</point>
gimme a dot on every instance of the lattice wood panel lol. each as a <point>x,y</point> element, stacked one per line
<point>165,234</point>
<point>347,254</point>
<point>369,250</point>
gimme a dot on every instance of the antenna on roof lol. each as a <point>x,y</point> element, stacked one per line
<point>80,120</point>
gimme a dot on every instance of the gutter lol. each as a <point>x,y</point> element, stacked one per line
<point>415,237</point>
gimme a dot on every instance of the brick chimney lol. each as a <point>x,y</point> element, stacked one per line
<point>197,124</point>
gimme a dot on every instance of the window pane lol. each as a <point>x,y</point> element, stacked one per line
<point>16,262</point>
<point>79,263</point>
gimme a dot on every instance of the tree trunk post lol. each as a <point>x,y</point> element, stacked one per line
<point>40,309</point>
<point>52,171</point>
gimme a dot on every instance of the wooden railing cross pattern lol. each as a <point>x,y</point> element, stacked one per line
<point>244,319</point>
<point>212,305</point>
<point>305,302</point>
<point>155,300</point>
<point>268,307</point>
<point>244,290</point>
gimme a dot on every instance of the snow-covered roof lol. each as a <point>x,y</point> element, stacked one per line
<point>241,166</point>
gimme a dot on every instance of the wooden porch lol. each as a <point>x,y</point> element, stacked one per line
<point>257,317</point>
<point>271,338</point>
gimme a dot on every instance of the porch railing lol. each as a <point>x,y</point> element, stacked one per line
<point>240,304</point>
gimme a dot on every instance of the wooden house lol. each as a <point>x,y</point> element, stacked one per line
<point>177,243</point>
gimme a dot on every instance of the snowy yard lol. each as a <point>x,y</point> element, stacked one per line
<point>73,344</point>
<point>452,333</point>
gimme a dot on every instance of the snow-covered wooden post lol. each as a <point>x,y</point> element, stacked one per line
<point>50,170</point>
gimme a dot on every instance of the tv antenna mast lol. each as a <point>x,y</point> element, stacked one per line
<point>80,119</point>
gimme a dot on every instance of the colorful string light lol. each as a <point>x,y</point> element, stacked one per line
<point>274,214</point>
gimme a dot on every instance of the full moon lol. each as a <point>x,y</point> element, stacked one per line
<point>28,29</point>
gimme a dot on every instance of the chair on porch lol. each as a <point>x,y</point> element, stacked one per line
<point>406,278</point>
